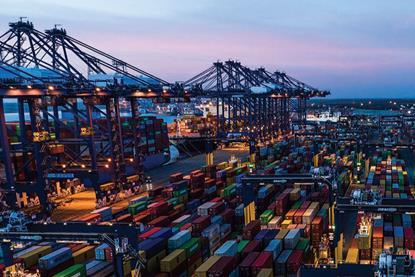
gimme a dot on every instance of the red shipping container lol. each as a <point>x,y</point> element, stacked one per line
<point>76,246</point>
<point>92,218</point>
<point>245,265</point>
<point>315,196</point>
<point>186,227</point>
<point>317,225</point>
<point>124,218</point>
<point>294,261</point>
<point>264,260</point>
<point>176,177</point>
<point>161,221</point>
<point>155,191</point>
<point>197,255</point>
<point>148,233</point>
<point>409,238</point>
<point>281,204</point>
<point>108,254</point>
<point>158,208</point>
<point>365,254</point>
<point>220,184</point>
<point>223,267</point>
<point>290,214</point>
<point>228,215</point>
<point>210,183</point>
<point>216,209</point>
<point>377,237</point>
<point>216,199</point>
<point>196,193</point>
<point>297,218</point>
<point>272,206</point>
<point>199,224</point>
<point>252,246</point>
<point>305,205</point>
<point>196,172</point>
<point>250,230</point>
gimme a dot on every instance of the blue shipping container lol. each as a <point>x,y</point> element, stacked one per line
<point>179,239</point>
<point>275,247</point>
<point>55,258</point>
<point>229,248</point>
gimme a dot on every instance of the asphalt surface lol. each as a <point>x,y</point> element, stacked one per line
<point>84,202</point>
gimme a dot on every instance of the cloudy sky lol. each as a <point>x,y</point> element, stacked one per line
<point>353,48</point>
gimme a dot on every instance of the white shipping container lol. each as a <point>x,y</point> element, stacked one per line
<point>204,208</point>
<point>181,219</point>
<point>275,222</point>
<point>105,213</point>
<point>309,215</point>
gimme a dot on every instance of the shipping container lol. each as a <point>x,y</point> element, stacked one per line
<point>55,258</point>
<point>246,263</point>
<point>202,270</point>
<point>77,270</point>
<point>173,260</point>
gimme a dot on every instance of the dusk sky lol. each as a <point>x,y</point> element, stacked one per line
<point>352,48</point>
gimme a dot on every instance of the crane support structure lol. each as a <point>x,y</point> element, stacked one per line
<point>69,122</point>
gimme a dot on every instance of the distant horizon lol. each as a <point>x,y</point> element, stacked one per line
<point>354,49</point>
<point>363,98</point>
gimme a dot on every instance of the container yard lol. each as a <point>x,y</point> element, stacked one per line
<point>109,170</point>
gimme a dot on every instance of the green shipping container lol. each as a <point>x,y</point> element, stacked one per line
<point>229,190</point>
<point>174,201</point>
<point>242,244</point>
<point>266,216</point>
<point>296,205</point>
<point>77,270</point>
<point>137,207</point>
<point>191,247</point>
<point>303,244</point>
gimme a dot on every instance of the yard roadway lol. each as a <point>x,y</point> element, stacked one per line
<point>84,202</point>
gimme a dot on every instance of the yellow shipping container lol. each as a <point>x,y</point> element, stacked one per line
<point>265,272</point>
<point>30,259</point>
<point>286,222</point>
<point>171,261</point>
<point>84,254</point>
<point>313,205</point>
<point>202,270</point>
<point>352,256</point>
<point>153,264</point>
